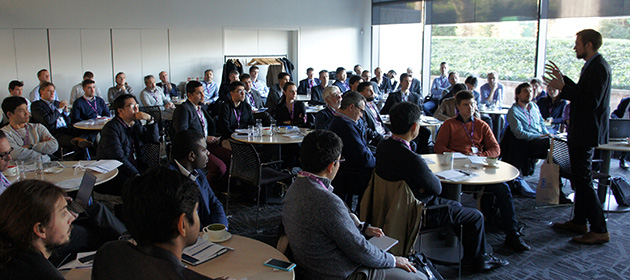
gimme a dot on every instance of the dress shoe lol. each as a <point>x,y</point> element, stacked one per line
<point>515,242</point>
<point>484,263</point>
<point>571,226</point>
<point>623,164</point>
<point>81,143</point>
<point>592,238</point>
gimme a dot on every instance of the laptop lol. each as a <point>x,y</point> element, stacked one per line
<point>619,129</point>
<point>80,203</point>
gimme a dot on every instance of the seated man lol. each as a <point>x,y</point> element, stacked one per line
<point>43,76</point>
<point>275,92</point>
<point>152,95</point>
<point>415,86</point>
<point>120,88</point>
<point>402,95</point>
<point>472,136</point>
<point>55,117</point>
<point>354,82</point>
<point>332,97</point>
<point>492,91</point>
<point>29,140</point>
<point>537,87</point>
<point>317,92</point>
<point>16,88</point>
<point>306,85</point>
<point>210,88</point>
<point>189,156</point>
<point>471,83</point>
<point>257,84</point>
<point>90,106</point>
<point>169,89</point>
<point>338,250</point>
<point>382,82</point>
<point>437,96</point>
<point>77,90</point>
<point>360,161</point>
<point>234,114</point>
<point>375,127</point>
<point>224,90</point>
<point>341,82</point>
<point>526,123</point>
<point>160,208</point>
<point>447,108</point>
<point>395,161</point>
<point>122,138</point>
<point>191,115</point>
<point>252,96</point>
<point>34,219</point>
<point>551,108</point>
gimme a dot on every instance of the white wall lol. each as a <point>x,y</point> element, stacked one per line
<point>184,37</point>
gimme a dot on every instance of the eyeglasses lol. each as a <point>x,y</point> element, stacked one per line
<point>133,106</point>
<point>4,156</point>
<point>340,160</point>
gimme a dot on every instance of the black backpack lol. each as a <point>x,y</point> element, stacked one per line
<point>621,189</point>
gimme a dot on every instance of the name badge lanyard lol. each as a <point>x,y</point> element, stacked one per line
<point>238,117</point>
<point>401,141</point>
<point>470,135</point>
<point>313,177</point>
<point>202,120</point>
<point>26,139</point>
<point>95,107</point>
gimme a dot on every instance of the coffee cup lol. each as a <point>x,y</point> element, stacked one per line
<point>214,232</point>
<point>491,160</point>
<point>447,159</point>
<point>12,170</point>
<point>266,131</point>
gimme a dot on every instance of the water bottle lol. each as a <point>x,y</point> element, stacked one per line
<point>39,165</point>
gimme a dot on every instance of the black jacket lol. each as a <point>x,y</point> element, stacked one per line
<point>396,97</point>
<point>227,120</point>
<point>43,114</point>
<point>185,117</point>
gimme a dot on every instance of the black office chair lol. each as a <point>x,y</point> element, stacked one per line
<point>247,168</point>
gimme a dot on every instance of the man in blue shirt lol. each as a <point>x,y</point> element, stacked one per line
<point>210,88</point>
<point>492,91</point>
<point>527,124</point>
<point>341,82</point>
<point>190,156</point>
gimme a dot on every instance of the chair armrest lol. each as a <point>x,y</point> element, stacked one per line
<point>271,162</point>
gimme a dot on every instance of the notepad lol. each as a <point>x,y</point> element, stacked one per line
<point>384,242</point>
<point>203,251</point>
<point>455,175</point>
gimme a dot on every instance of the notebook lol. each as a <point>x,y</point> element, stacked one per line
<point>80,203</point>
<point>619,129</point>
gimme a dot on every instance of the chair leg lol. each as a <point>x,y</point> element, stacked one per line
<point>227,198</point>
<point>258,210</point>
<point>459,250</point>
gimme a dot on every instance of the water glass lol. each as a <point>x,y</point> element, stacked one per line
<point>272,127</point>
<point>250,131</point>
<point>258,128</point>
<point>39,165</point>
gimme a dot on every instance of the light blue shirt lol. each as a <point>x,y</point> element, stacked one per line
<point>61,122</point>
<point>527,123</point>
<point>261,88</point>
<point>210,91</point>
<point>496,99</point>
<point>439,84</point>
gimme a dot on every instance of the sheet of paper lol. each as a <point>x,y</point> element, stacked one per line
<point>459,156</point>
<point>104,165</point>
<point>77,264</point>
<point>477,160</point>
<point>429,161</point>
<point>384,242</point>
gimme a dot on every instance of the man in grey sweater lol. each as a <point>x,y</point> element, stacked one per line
<point>329,242</point>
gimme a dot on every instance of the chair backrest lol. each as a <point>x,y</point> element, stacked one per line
<point>560,154</point>
<point>393,207</point>
<point>245,163</point>
<point>154,111</point>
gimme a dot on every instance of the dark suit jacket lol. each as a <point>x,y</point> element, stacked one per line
<point>185,117</point>
<point>116,143</point>
<point>618,113</point>
<point>227,121</point>
<point>303,85</point>
<point>275,93</point>
<point>281,114</point>
<point>174,91</point>
<point>257,99</point>
<point>47,116</point>
<point>317,95</point>
<point>370,120</point>
<point>396,97</point>
<point>416,87</point>
<point>385,87</point>
<point>590,104</point>
<point>323,118</point>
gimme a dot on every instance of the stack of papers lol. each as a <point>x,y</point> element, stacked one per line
<point>455,175</point>
<point>202,251</point>
<point>477,160</point>
<point>103,165</point>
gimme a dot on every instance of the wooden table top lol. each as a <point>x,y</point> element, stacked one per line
<point>245,261</point>
<point>93,124</point>
<point>67,179</point>
<point>503,172</point>
<point>276,138</point>
<point>621,146</point>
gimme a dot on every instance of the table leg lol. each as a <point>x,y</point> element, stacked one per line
<point>602,189</point>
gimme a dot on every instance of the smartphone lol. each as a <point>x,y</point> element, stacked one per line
<point>189,259</point>
<point>275,263</point>
<point>87,259</point>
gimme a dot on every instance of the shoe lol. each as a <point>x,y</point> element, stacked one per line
<point>484,263</point>
<point>515,242</point>
<point>81,143</point>
<point>623,164</point>
<point>592,238</point>
<point>571,226</point>
<point>564,200</point>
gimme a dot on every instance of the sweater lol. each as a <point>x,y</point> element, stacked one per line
<point>452,137</point>
<point>43,143</point>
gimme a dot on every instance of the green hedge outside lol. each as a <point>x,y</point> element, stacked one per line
<point>514,59</point>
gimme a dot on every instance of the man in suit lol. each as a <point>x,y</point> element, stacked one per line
<point>305,86</point>
<point>404,94</point>
<point>275,92</point>
<point>169,89</point>
<point>122,139</point>
<point>416,86</point>
<point>190,154</point>
<point>55,116</point>
<point>381,81</point>
<point>317,92</point>
<point>371,116</point>
<point>332,97</point>
<point>191,115</point>
<point>355,173</point>
<point>161,210</point>
<point>252,96</point>
<point>588,127</point>
<point>341,79</point>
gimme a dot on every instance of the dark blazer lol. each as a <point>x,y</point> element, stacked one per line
<point>396,97</point>
<point>43,114</point>
<point>303,85</point>
<point>281,114</point>
<point>81,110</point>
<point>210,208</point>
<point>185,117</point>
<point>275,93</point>
<point>28,264</point>
<point>370,120</point>
<point>355,173</point>
<point>618,113</point>
<point>590,104</point>
<point>120,142</point>
<point>227,121</point>
<point>317,95</point>
<point>416,87</point>
<point>385,87</point>
<point>174,91</point>
<point>123,260</point>
<point>323,118</point>
<point>341,86</point>
<point>258,101</point>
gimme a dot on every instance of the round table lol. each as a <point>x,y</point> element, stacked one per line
<point>607,200</point>
<point>92,124</point>
<point>68,177</point>
<point>276,138</point>
<point>245,261</point>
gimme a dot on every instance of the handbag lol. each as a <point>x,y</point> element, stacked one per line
<point>424,265</point>
<point>548,190</point>
<point>621,190</point>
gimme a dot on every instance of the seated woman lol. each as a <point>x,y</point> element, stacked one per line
<point>552,107</point>
<point>289,111</point>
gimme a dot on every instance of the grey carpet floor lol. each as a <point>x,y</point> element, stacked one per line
<point>552,256</point>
